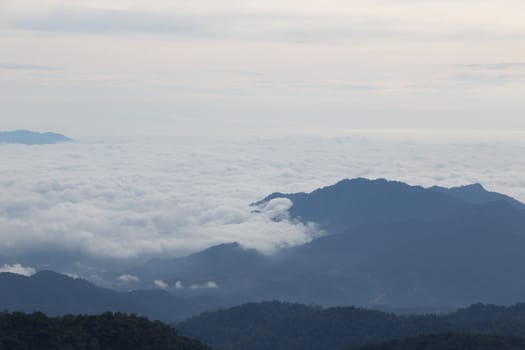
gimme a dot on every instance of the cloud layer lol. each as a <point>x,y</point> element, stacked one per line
<point>127,200</point>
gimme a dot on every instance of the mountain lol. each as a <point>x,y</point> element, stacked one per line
<point>451,341</point>
<point>56,294</point>
<point>358,202</point>
<point>476,194</point>
<point>27,137</point>
<point>217,267</point>
<point>106,331</point>
<point>363,202</point>
<point>274,325</point>
<point>387,246</point>
<point>464,258</point>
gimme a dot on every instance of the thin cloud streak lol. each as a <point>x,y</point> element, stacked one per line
<point>288,26</point>
<point>22,66</point>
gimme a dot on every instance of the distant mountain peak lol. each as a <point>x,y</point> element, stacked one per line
<point>361,201</point>
<point>477,194</point>
<point>474,186</point>
<point>28,137</point>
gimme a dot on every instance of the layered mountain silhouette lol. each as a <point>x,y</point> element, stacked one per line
<point>56,294</point>
<point>229,266</point>
<point>27,137</point>
<point>386,245</point>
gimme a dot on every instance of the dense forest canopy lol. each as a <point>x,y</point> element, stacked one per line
<point>451,341</point>
<point>109,331</point>
<point>283,326</point>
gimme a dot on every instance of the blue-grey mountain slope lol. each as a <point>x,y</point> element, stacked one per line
<point>476,194</point>
<point>398,245</point>
<point>357,202</point>
<point>220,270</point>
<point>387,245</point>
<point>27,137</point>
<point>56,294</point>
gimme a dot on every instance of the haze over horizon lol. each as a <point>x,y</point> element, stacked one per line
<point>232,68</point>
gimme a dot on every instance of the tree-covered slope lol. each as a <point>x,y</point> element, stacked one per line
<point>276,326</point>
<point>105,332</point>
<point>451,341</point>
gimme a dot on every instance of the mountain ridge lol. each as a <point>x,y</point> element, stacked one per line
<point>56,294</point>
<point>376,201</point>
<point>28,137</point>
<point>459,256</point>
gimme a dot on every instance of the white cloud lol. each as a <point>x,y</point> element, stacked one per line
<point>207,285</point>
<point>18,269</point>
<point>160,284</point>
<point>179,285</point>
<point>72,275</point>
<point>128,278</point>
<point>277,209</point>
<point>127,200</point>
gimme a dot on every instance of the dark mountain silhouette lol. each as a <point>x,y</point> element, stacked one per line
<point>56,294</point>
<point>357,202</point>
<point>27,137</point>
<point>108,331</point>
<point>274,325</point>
<point>451,341</point>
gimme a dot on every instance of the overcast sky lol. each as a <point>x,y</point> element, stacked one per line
<point>261,67</point>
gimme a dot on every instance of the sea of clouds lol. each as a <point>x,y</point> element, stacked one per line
<point>173,197</point>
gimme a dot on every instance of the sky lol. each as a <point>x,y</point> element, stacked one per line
<point>185,112</point>
<point>226,67</point>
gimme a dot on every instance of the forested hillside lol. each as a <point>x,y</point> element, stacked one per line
<point>276,326</point>
<point>451,341</point>
<point>105,332</point>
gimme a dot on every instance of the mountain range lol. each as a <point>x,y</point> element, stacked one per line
<point>55,294</point>
<point>385,245</point>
